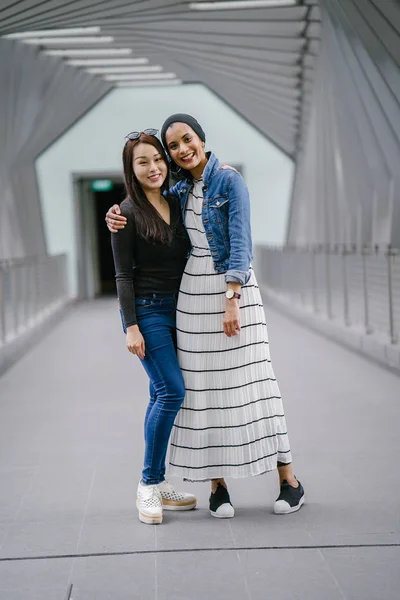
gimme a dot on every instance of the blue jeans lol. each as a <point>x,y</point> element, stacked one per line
<point>156,320</point>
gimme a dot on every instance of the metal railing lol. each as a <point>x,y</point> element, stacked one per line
<point>356,288</point>
<point>30,290</point>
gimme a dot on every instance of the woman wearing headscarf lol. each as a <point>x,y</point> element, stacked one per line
<point>232,422</point>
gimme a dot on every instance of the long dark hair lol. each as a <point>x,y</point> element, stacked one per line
<point>149,224</point>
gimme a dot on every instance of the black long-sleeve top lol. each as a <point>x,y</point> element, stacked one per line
<point>143,267</point>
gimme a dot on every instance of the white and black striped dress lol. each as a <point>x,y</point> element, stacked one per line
<point>231,423</point>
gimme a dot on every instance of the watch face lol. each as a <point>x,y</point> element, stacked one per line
<point>229,294</point>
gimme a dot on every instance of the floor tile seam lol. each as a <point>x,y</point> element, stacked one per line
<point>6,559</point>
<point>332,575</point>
<point>86,509</point>
<point>231,532</point>
<point>155,577</point>
<point>33,476</point>
<point>244,576</point>
<point>82,526</point>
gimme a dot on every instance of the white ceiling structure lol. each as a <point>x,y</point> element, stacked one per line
<point>324,90</point>
<point>257,55</point>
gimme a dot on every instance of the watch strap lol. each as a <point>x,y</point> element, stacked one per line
<point>234,294</point>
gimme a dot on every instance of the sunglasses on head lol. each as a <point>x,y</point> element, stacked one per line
<point>135,135</point>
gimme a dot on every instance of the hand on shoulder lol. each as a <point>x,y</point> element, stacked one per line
<point>114,219</point>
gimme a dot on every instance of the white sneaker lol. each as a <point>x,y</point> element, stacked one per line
<point>174,500</point>
<point>149,504</point>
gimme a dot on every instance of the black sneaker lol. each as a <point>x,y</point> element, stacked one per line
<point>220,503</point>
<point>290,499</point>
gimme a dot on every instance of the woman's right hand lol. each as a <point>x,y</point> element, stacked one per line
<point>135,341</point>
<point>114,219</point>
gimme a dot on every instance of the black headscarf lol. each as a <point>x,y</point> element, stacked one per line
<point>182,118</point>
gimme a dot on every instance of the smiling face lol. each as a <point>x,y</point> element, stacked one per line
<point>149,166</point>
<point>186,148</point>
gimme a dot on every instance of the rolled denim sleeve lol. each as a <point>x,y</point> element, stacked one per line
<point>239,231</point>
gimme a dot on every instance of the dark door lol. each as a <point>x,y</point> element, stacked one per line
<point>103,201</point>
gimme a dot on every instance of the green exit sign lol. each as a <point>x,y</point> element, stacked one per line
<point>102,185</point>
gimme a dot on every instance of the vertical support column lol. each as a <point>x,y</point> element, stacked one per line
<point>36,288</point>
<point>392,333</point>
<point>314,278</point>
<point>364,253</point>
<point>345,286</point>
<point>2,304</point>
<point>14,296</point>
<point>328,283</point>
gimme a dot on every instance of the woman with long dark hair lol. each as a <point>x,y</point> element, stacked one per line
<point>149,257</point>
<point>232,422</point>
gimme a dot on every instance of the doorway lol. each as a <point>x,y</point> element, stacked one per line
<point>93,196</point>
<point>102,202</point>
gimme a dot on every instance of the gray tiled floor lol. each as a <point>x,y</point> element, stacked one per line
<point>71,447</point>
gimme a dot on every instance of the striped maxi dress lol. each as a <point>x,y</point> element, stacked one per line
<point>231,423</point>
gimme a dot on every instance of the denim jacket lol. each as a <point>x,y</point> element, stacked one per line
<point>226,218</point>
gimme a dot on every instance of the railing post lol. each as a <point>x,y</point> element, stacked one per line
<point>13,295</point>
<point>2,305</point>
<point>314,279</point>
<point>364,253</point>
<point>345,287</point>
<point>32,292</point>
<point>291,260</point>
<point>392,333</point>
<point>303,277</point>
<point>328,282</point>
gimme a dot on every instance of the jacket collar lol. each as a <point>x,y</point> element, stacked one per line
<point>212,166</point>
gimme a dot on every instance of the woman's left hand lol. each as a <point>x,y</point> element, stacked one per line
<point>232,318</point>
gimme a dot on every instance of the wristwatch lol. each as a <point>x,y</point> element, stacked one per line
<point>231,294</point>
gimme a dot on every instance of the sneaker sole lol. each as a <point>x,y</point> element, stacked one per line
<point>167,506</point>
<point>217,516</point>
<point>291,509</point>
<point>150,520</point>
